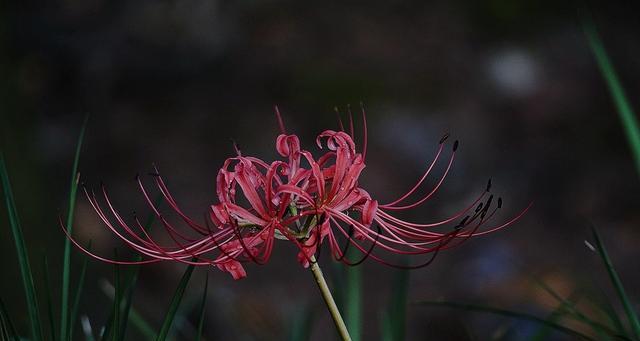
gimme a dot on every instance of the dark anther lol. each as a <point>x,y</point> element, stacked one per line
<point>479,207</point>
<point>455,145</point>
<point>489,185</point>
<point>462,223</point>
<point>444,138</point>
<point>499,202</point>
<point>488,203</point>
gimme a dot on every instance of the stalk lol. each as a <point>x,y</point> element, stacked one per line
<point>328,299</point>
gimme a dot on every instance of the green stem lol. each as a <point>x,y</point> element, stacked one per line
<point>328,299</point>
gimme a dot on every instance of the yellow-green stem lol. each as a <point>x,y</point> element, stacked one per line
<point>328,299</point>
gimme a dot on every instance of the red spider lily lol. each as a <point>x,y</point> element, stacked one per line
<point>304,200</point>
<point>347,211</point>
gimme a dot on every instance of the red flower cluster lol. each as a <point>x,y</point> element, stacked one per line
<point>306,200</point>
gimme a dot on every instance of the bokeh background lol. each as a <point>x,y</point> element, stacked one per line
<point>172,82</point>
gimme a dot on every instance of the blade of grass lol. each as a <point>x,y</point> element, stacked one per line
<point>175,303</point>
<point>545,331</point>
<point>65,331</point>
<point>397,310</point>
<point>301,325</point>
<point>47,281</point>
<point>8,330</point>
<point>573,311</point>
<point>203,306</point>
<point>23,257</point>
<point>617,283</point>
<point>130,284</point>
<point>76,300</point>
<point>507,313</point>
<point>625,111</point>
<point>609,311</point>
<point>387,330</point>
<point>111,327</point>
<point>133,316</point>
<point>353,299</point>
<point>86,328</point>
<point>143,326</point>
<point>116,305</point>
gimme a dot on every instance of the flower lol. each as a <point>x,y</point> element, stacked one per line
<point>305,200</point>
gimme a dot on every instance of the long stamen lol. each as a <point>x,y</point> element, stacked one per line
<point>280,121</point>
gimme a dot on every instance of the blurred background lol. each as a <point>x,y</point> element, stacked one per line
<point>172,82</point>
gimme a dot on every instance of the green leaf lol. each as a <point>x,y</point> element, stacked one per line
<point>133,316</point>
<point>395,318</point>
<point>175,303</point>
<point>544,331</point>
<point>76,300</point>
<point>23,257</point>
<point>617,283</point>
<point>111,328</point>
<point>301,325</point>
<point>130,284</point>
<point>141,324</point>
<point>116,304</point>
<point>7,330</point>
<point>353,298</point>
<point>47,281</point>
<point>625,111</point>
<point>203,305</point>
<point>65,330</point>
<point>573,312</point>
<point>609,311</point>
<point>507,313</point>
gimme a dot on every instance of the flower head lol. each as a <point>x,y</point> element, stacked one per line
<point>306,200</point>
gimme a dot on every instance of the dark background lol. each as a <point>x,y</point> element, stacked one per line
<point>172,82</point>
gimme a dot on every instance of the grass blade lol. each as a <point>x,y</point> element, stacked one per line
<point>175,302</point>
<point>507,313</point>
<point>301,325</point>
<point>133,316</point>
<point>23,257</point>
<point>76,300</point>
<point>143,327</point>
<point>617,283</point>
<point>8,330</point>
<point>625,111</point>
<point>47,281</point>
<point>130,284</point>
<point>572,311</point>
<point>203,305</point>
<point>545,331</point>
<point>353,299</point>
<point>86,328</point>
<point>397,311</point>
<point>116,304</point>
<point>127,301</point>
<point>110,330</point>
<point>604,304</point>
<point>65,332</point>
